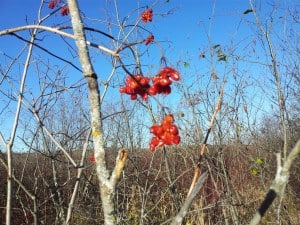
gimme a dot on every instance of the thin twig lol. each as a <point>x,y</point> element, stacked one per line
<point>197,172</point>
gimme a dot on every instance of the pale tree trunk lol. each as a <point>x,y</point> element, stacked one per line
<point>107,182</point>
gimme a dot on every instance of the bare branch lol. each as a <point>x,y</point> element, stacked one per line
<point>56,31</point>
<point>120,163</point>
<point>79,173</point>
<point>188,201</point>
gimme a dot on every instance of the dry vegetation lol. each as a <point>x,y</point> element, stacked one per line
<point>59,154</point>
<point>151,192</point>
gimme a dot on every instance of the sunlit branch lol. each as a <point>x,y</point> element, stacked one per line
<point>56,31</point>
<point>79,173</point>
<point>188,201</point>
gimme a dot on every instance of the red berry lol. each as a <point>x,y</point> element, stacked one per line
<point>173,129</point>
<point>157,130</point>
<point>145,81</point>
<point>52,4</point>
<point>152,90</point>
<point>64,11</point>
<point>133,96</point>
<point>155,142</point>
<point>165,82</point>
<point>169,118</point>
<point>136,85</point>
<point>165,134</point>
<point>167,138</point>
<point>128,79</point>
<point>175,76</point>
<point>149,39</point>
<point>130,90</point>
<point>152,147</point>
<point>172,73</point>
<point>176,139</point>
<point>165,125</point>
<point>144,96</point>
<point>133,84</point>
<point>166,90</point>
<point>147,15</point>
<point>123,90</point>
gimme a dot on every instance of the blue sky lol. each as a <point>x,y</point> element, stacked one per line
<point>184,27</point>
<point>190,28</point>
<point>183,32</point>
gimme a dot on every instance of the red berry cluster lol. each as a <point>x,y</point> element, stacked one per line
<point>52,4</point>
<point>149,39</point>
<point>64,11</point>
<point>139,85</point>
<point>165,134</point>
<point>147,15</point>
<point>162,81</point>
<point>136,85</point>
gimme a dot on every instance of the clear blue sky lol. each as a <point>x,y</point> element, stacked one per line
<point>183,32</point>
<point>184,27</point>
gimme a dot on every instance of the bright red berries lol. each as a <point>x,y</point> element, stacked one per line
<point>139,85</point>
<point>149,39</point>
<point>64,11</point>
<point>170,73</point>
<point>136,85</point>
<point>147,15</point>
<point>162,81</point>
<point>165,134</point>
<point>52,4</point>
<point>169,118</point>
